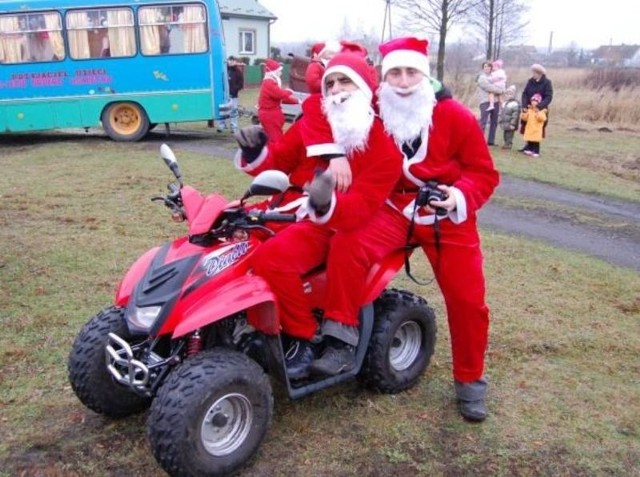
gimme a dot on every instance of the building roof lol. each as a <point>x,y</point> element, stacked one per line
<point>245,8</point>
<point>621,52</point>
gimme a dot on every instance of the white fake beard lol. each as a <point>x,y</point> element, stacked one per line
<point>406,117</point>
<point>350,116</point>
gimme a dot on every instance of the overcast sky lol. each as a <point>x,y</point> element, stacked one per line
<point>614,21</point>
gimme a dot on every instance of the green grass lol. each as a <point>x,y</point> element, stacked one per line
<point>563,356</point>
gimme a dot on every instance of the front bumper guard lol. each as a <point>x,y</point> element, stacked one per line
<point>142,378</point>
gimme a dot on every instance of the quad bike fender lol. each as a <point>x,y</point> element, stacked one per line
<point>206,211</point>
<point>133,276</point>
<point>382,273</point>
<point>248,293</point>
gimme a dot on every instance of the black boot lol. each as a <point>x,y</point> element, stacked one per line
<point>298,359</point>
<point>471,399</point>
<point>337,357</point>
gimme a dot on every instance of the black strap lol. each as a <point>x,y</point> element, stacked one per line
<point>409,247</point>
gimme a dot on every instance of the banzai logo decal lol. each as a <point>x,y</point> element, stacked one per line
<point>222,259</point>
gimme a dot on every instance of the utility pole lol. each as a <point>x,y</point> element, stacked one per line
<point>550,42</point>
<point>387,20</point>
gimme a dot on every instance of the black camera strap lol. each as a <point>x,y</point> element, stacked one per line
<point>409,246</point>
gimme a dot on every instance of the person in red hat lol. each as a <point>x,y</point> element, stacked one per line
<point>316,131</point>
<point>270,100</point>
<point>443,148</point>
<point>321,53</point>
<point>347,98</point>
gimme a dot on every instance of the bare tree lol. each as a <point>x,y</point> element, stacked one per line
<point>437,17</point>
<point>499,22</point>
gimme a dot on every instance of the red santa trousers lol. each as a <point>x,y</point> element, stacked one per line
<point>282,261</point>
<point>272,121</point>
<point>457,266</point>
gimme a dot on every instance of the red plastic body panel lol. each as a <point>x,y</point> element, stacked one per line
<point>133,276</point>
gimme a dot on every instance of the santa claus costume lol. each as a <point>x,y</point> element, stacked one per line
<point>441,141</point>
<point>376,167</point>
<point>270,100</point>
<point>316,131</point>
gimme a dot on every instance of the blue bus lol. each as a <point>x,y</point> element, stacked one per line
<point>127,65</point>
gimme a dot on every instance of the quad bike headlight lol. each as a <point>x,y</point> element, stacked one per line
<point>144,317</point>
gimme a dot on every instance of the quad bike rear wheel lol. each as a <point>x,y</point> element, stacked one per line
<point>210,415</point>
<point>402,342</point>
<point>87,368</point>
<point>125,121</point>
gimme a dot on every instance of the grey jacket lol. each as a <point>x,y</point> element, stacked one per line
<point>485,86</point>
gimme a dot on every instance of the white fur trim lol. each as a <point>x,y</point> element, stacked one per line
<point>355,77</point>
<point>325,217</point>
<point>241,164</point>
<point>331,45</point>
<point>458,215</point>
<point>406,59</point>
<point>421,219</point>
<point>327,148</point>
<point>289,206</point>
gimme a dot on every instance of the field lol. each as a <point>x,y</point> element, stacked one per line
<point>562,363</point>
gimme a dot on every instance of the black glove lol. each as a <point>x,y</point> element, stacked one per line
<point>320,191</point>
<point>251,140</point>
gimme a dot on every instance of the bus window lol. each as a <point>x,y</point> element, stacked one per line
<point>31,38</point>
<point>173,29</point>
<point>101,33</point>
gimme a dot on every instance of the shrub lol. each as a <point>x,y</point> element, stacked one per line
<point>613,78</point>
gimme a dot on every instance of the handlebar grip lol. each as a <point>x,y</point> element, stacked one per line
<point>278,217</point>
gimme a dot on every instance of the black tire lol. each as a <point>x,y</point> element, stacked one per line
<point>87,369</point>
<point>402,342</point>
<point>210,415</point>
<point>125,121</point>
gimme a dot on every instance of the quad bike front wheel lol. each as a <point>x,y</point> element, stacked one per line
<point>125,121</point>
<point>402,341</point>
<point>87,369</point>
<point>210,415</point>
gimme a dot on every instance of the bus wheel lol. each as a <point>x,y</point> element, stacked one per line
<point>125,121</point>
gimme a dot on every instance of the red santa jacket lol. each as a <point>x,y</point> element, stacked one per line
<point>272,95</point>
<point>455,154</point>
<point>313,76</point>
<point>375,171</point>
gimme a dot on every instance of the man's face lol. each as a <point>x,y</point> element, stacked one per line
<point>337,83</point>
<point>403,78</point>
<point>348,110</point>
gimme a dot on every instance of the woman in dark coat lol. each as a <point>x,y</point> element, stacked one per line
<point>537,84</point>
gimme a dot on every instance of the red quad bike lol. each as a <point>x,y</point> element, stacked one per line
<point>195,336</point>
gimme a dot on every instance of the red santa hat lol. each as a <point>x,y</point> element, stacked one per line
<point>353,47</point>
<point>316,49</point>
<point>408,52</point>
<point>356,68</point>
<point>271,66</point>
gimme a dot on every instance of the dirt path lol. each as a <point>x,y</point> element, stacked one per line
<point>598,226</point>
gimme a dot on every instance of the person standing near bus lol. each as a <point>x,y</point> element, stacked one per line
<point>270,100</point>
<point>235,74</point>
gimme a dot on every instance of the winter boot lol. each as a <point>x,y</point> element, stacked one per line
<point>337,357</point>
<point>471,399</point>
<point>298,359</point>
